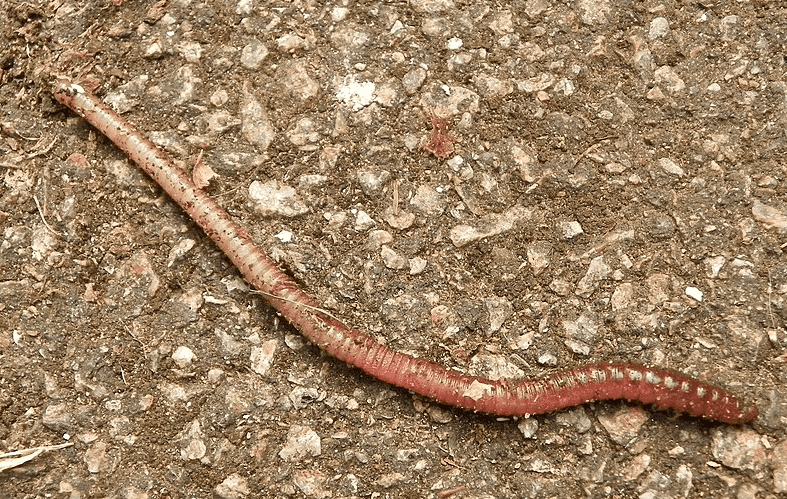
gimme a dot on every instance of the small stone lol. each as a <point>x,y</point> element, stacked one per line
<point>291,43</point>
<point>624,424</point>
<point>354,94</point>
<point>477,390</point>
<point>569,230</point>
<point>622,297</point>
<point>413,80</point>
<point>779,465</point>
<point>659,28</point>
<point>666,77</point>
<point>216,375</point>
<point>363,221</point>
<point>96,457</point>
<point>490,225</point>
<point>499,309</point>
<point>311,483</point>
<point>538,253</point>
<point>377,238</point>
<point>392,259</point>
<point>769,216</point>
<point>389,480</point>
<point>547,359</point>
<point>301,441</point>
<point>597,271</point>
<point>594,12</point>
<point>191,51</point>
<point>174,393</point>
<point>398,219</point>
<point>58,417</point>
<point>694,293</point>
<point>244,7</point>
<point>192,443</point>
<point>428,201</point>
<point>578,347</point>
<point>276,199</point>
<point>738,448</point>
<point>284,236</point>
<point>728,26</point>
<point>528,427</point>
<point>153,51</point>
<point>575,418</point>
<point>233,487</point>
<point>183,356</point>
<point>372,181</point>
<point>301,396</point>
<point>522,341</point>
<point>262,357</point>
<point>294,78</point>
<point>256,128</point>
<point>229,345</point>
<point>440,415</point>
<point>417,265</point>
<point>671,167</point>
<point>635,467</point>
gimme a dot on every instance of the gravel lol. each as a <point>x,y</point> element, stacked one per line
<point>506,189</point>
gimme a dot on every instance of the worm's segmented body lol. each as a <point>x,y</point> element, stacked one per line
<point>662,388</point>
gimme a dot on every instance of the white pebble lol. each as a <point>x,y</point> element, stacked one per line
<point>183,356</point>
<point>694,293</point>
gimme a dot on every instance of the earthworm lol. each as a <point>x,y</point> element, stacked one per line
<point>634,382</point>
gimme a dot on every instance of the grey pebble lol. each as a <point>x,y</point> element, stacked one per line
<point>273,198</point>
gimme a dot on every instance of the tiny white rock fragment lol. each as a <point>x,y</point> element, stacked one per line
<point>659,28</point>
<point>356,94</point>
<point>417,265</point>
<point>363,221</point>
<point>769,216</point>
<point>276,199</point>
<point>302,441</point>
<point>262,357</point>
<point>392,259</point>
<point>671,167</point>
<point>284,236</point>
<point>528,427</point>
<point>180,249</point>
<point>694,293</point>
<point>183,356</point>
<point>569,230</point>
<point>233,487</point>
<point>547,359</point>
<point>454,43</point>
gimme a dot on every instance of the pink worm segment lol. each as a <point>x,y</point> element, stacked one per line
<point>662,388</point>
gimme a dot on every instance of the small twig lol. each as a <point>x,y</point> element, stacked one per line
<point>16,458</point>
<point>770,300</point>
<point>41,213</point>
<point>451,492</point>
<point>592,148</point>
<point>39,152</point>
<point>304,305</point>
<point>395,196</point>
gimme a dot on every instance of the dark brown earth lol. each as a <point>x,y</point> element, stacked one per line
<point>658,129</point>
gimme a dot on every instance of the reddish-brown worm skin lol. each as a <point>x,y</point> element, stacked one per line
<point>648,385</point>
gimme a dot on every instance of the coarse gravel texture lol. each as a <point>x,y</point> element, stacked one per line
<point>608,182</point>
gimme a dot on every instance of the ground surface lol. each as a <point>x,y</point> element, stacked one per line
<point>634,153</point>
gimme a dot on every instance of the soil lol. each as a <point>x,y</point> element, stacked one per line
<point>608,184</point>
